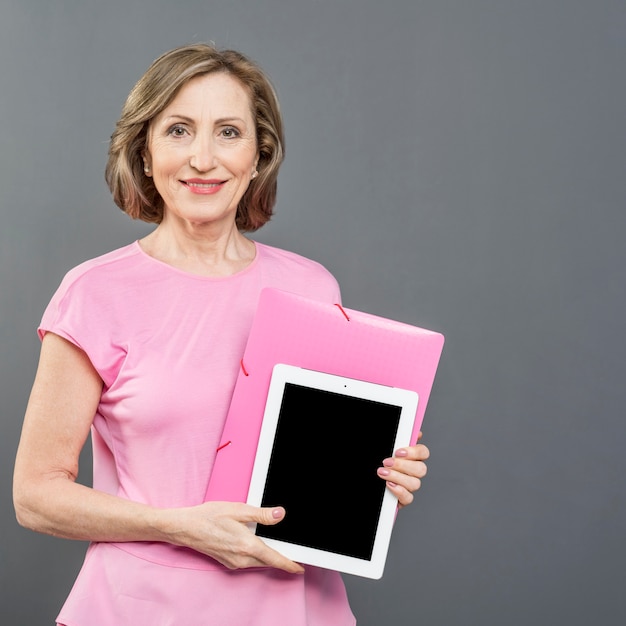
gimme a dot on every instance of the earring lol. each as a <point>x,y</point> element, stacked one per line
<point>254,174</point>
<point>146,168</point>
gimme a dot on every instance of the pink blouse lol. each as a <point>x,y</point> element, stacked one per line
<point>167,345</point>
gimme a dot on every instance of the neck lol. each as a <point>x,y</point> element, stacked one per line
<point>200,249</point>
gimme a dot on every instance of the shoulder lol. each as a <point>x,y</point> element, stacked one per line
<point>86,309</point>
<point>88,286</point>
<point>290,259</point>
<point>104,266</point>
<point>294,272</point>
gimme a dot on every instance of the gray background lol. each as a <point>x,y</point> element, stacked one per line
<point>459,165</point>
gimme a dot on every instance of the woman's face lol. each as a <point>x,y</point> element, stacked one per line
<point>202,150</point>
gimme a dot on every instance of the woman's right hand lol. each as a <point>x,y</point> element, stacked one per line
<point>222,531</point>
<point>48,499</point>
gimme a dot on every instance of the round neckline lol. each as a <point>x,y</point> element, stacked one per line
<point>181,272</point>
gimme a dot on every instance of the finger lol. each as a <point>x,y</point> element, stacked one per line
<point>260,551</point>
<point>404,497</point>
<point>253,552</point>
<point>268,556</point>
<point>407,482</point>
<point>418,452</point>
<point>270,515</point>
<point>418,469</point>
<point>258,515</point>
<point>265,555</point>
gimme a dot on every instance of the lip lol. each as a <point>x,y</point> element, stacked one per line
<point>203,186</point>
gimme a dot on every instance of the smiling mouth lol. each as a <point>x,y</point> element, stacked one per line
<point>198,185</point>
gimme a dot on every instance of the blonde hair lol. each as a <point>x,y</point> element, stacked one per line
<point>134,192</point>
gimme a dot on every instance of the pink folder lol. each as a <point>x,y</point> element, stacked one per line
<point>325,337</point>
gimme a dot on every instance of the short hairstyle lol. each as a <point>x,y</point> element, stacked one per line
<point>136,193</point>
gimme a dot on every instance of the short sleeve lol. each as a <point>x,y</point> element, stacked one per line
<point>80,312</point>
<point>336,291</point>
<point>293,272</point>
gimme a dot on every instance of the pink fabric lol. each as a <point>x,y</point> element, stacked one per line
<point>167,345</point>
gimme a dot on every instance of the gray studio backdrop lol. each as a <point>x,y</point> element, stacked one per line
<point>458,166</point>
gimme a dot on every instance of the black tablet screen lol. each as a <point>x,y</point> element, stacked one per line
<point>326,451</point>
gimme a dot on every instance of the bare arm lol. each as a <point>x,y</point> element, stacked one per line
<point>48,499</point>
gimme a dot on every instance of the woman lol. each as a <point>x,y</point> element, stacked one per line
<point>141,347</point>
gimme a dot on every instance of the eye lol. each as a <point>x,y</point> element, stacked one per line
<point>177,131</point>
<point>230,132</point>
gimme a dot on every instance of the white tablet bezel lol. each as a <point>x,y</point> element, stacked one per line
<point>405,399</point>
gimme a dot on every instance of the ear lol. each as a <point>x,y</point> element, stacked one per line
<point>147,168</point>
<point>255,172</point>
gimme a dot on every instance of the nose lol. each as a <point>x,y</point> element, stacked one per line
<point>202,153</point>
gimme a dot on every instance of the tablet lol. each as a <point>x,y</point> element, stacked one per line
<point>322,439</point>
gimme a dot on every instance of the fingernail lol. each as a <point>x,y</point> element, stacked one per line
<point>402,452</point>
<point>388,462</point>
<point>383,472</point>
<point>390,484</point>
<point>277,513</point>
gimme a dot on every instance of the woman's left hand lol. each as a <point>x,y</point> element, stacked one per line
<point>404,471</point>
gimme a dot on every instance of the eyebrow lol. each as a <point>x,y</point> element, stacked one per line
<point>221,120</point>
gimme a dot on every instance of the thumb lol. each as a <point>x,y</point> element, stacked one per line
<point>271,515</point>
